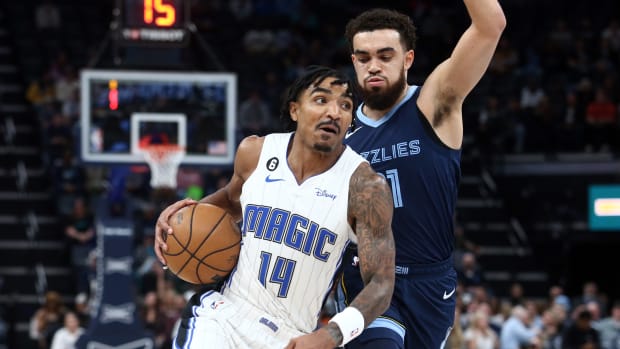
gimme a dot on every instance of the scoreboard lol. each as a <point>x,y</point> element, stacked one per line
<point>154,22</point>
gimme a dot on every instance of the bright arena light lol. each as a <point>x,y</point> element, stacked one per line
<point>607,207</point>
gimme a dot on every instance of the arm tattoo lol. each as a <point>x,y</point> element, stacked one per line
<point>371,206</point>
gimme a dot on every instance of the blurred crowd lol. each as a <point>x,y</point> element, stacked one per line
<point>483,320</point>
<point>552,86</point>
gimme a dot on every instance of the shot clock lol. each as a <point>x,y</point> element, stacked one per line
<point>154,22</point>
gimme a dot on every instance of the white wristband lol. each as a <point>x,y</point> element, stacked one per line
<point>351,324</point>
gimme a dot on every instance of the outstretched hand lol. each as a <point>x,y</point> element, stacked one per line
<point>162,227</point>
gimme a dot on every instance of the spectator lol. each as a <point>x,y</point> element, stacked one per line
<point>590,293</point>
<point>543,125</point>
<point>479,335</point>
<point>516,294</point>
<point>611,34</point>
<point>58,136</point>
<point>580,334</point>
<point>556,291</point>
<point>461,245</point>
<point>490,127</point>
<point>533,307</point>
<point>67,84</point>
<point>255,118</point>
<point>41,91</point>
<point>505,59</point>
<point>551,331</point>
<point>47,15</point>
<point>71,107</point>
<point>560,36</point>
<point>69,183</point>
<point>80,231</point>
<point>241,9</point>
<point>152,317</point>
<point>47,319</point>
<point>146,265</point>
<point>258,41</point>
<point>601,118</point>
<point>470,273</point>
<point>82,309</point>
<point>515,129</point>
<point>563,301</point>
<point>609,328</point>
<point>501,313</point>
<point>595,310</point>
<point>162,309</point>
<point>172,307</point>
<point>67,335</point>
<point>531,94</point>
<point>516,332</point>
<point>570,133</point>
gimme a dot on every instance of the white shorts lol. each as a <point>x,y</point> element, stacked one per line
<point>219,322</point>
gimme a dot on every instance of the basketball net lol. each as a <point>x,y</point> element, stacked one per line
<point>164,161</point>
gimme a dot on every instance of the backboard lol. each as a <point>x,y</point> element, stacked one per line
<point>123,109</point>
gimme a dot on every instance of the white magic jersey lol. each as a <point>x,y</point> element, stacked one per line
<point>294,236</point>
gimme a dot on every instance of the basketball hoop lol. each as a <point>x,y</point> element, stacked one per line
<point>164,161</point>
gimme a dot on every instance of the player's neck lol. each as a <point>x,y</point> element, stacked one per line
<point>377,114</point>
<point>305,162</point>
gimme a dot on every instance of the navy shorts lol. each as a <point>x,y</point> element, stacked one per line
<point>421,313</point>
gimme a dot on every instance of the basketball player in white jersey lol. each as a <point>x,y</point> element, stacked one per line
<point>302,197</point>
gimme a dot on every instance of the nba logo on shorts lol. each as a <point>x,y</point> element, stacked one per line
<point>216,304</point>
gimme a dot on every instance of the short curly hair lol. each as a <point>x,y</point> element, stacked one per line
<point>379,18</point>
<point>312,76</point>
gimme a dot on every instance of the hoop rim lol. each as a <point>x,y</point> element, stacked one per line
<point>160,147</point>
<point>160,151</point>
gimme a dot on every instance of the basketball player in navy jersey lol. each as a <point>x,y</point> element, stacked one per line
<point>412,135</point>
<point>302,196</point>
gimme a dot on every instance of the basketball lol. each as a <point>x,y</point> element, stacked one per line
<point>205,244</point>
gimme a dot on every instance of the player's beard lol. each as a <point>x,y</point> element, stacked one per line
<point>377,99</point>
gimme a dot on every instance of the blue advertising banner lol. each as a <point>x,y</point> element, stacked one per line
<point>114,319</point>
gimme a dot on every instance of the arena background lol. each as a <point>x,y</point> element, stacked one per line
<point>540,152</point>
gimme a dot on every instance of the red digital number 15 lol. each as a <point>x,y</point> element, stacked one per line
<point>163,14</point>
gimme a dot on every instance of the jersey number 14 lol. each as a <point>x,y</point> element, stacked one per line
<point>281,273</point>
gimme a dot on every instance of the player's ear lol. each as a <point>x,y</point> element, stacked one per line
<point>293,110</point>
<point>409,57</point>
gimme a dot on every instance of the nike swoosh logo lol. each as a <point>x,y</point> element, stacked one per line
<point>448,295</point>
<point>350,134</point>
<point>269,179</point>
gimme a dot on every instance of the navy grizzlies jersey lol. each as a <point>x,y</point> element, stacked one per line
<point>423,174</point>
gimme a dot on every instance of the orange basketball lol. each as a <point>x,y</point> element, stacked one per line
<point>204,246</point>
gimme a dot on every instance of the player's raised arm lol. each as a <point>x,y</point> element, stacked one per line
<point>447,86</point>
<point>370,208</point>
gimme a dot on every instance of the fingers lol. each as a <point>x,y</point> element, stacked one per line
<point>164,217</point>
<point>159,246</point>
<point>162,227</point>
